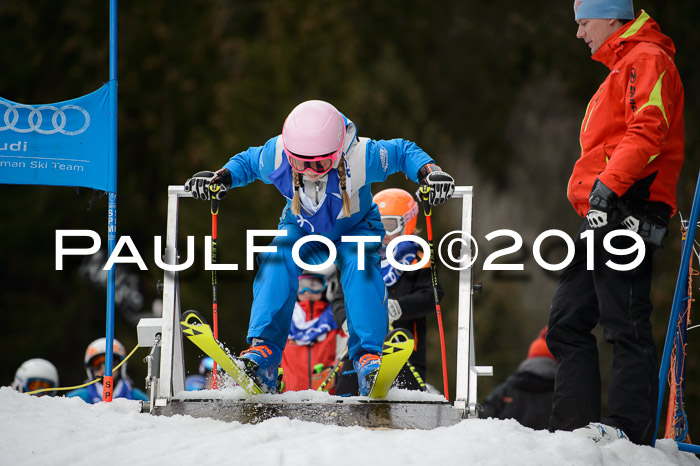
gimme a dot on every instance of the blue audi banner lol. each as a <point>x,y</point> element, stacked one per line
<point>61,144</point>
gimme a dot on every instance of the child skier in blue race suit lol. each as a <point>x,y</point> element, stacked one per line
<point>324,170</point>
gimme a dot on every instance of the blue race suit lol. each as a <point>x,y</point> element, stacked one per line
<point>276,283</point>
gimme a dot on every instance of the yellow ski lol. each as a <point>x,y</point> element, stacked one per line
<point>199,332</point>
<point>398,346</point>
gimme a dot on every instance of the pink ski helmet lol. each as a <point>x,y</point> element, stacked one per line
<point>313,136</point>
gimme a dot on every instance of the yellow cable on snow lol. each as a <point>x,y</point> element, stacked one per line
<point>99,379</point>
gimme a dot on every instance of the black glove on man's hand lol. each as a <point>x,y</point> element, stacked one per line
<point>205,185</point>
<point>601,200</point>
<point>441,185</point>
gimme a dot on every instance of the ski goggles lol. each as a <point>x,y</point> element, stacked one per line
<point>319,165</point>
<point>312,284</point>
<point>38,384</point>
<point>98,361</point>
<point>394,224</point>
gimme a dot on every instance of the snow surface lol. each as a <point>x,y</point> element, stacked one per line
<point>67,431</point>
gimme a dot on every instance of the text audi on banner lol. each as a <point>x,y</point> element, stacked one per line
<point>60,144</point>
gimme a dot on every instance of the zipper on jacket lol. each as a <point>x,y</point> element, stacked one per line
<point>588,116</point>
<point>310,375</point>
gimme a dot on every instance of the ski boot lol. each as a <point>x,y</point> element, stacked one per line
<point>601,434</point>
<point>366,368</point>
<point>262,361</point>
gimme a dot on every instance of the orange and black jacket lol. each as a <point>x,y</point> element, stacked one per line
<point>632,136</point>
<point>415,294</point>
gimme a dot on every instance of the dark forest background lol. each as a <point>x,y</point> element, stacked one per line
<point>495,91</point>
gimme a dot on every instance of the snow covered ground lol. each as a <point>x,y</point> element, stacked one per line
<point>66,431</point>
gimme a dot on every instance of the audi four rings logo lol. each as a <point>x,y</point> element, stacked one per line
<point>70,120</point>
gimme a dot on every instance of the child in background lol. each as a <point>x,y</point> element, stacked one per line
<point>36,374</point>
<point>315,341</point>
<point>410,293</point>
<point>204,379</point>
<point>94,361</point>
<point>526,395</point>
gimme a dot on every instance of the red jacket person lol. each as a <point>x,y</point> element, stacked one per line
<point>631,156</point>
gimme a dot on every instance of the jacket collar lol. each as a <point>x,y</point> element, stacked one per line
<point>642,29</point>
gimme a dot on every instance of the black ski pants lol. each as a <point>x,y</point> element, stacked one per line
<point>619,302</point>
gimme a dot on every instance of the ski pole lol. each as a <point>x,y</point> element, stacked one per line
<point>424,190</point>
<point>214,188</point>
<point>321,388</point>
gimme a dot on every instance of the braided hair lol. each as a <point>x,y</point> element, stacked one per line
<point>299,184</point>
<point>342,169</point>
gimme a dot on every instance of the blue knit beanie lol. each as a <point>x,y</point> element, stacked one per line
<point>603,9</point>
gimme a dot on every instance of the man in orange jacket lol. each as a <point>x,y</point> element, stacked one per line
<point>632,148</point>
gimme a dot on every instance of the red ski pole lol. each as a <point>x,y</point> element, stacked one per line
<point>214,188</point>
<point>427,209</point>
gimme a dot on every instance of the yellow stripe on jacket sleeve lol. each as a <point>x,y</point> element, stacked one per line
<point>655,98</point>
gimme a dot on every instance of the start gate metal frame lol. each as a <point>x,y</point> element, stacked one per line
<point>166,376</point>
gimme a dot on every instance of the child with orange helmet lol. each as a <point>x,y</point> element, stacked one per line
<point>410,292</point>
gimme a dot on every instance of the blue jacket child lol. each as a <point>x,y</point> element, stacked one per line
<point>324,170</point>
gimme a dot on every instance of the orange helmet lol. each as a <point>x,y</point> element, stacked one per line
<point>399,211</point>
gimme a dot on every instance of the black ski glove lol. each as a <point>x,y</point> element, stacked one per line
<point>441,185</point>
<point>205,185</point>
<point>602,200</point>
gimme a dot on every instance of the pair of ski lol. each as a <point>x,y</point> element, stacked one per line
<point>398,346</point>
